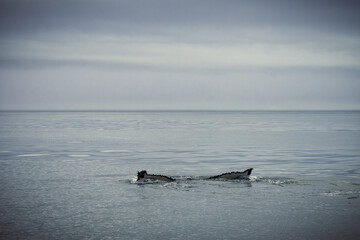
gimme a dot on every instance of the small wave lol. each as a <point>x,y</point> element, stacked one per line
<point>280,181</point>
<point>33,155</point>
<point>108,176</point>
<point>147,181</point>
<point>332,194</point>
<point>351,194</point>
<point>114,151</point>
<point>79,155</point>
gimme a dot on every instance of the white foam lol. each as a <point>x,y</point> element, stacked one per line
<point>114,151</point>
<point>134,179</point>
<point>33,155</point>
<point>333,194</point>
<point>253,178</point>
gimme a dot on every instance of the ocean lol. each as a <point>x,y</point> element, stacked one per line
<point>72,175</point>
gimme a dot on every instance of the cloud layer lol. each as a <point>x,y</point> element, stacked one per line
<point>179,54</point>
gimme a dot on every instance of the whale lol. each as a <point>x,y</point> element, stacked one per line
<point>143,175</point>
<point>233,175</point>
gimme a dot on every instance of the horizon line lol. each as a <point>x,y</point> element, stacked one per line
<point>180,110</point>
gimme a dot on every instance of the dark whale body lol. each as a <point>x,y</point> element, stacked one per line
<point>234,175</point>
<point>143,175</point>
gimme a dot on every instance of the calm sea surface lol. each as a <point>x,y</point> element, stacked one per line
<point>71,175</point>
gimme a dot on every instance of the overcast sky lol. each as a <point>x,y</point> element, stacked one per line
<point>165,54</point>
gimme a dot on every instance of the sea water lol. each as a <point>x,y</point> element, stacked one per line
<point>72,175</point>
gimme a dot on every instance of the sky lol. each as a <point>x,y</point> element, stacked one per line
<point>184,55</point>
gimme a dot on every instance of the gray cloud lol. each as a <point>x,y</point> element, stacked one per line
<point>179,54</point>
<point>81,88</point>
<point>131,16</point>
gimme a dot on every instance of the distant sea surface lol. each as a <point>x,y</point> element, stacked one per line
<point>72,175</point>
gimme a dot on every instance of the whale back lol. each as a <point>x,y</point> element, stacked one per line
<point>144,175</point>
<point>234,175</point>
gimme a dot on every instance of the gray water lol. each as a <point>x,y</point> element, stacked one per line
<point>71,175</point>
